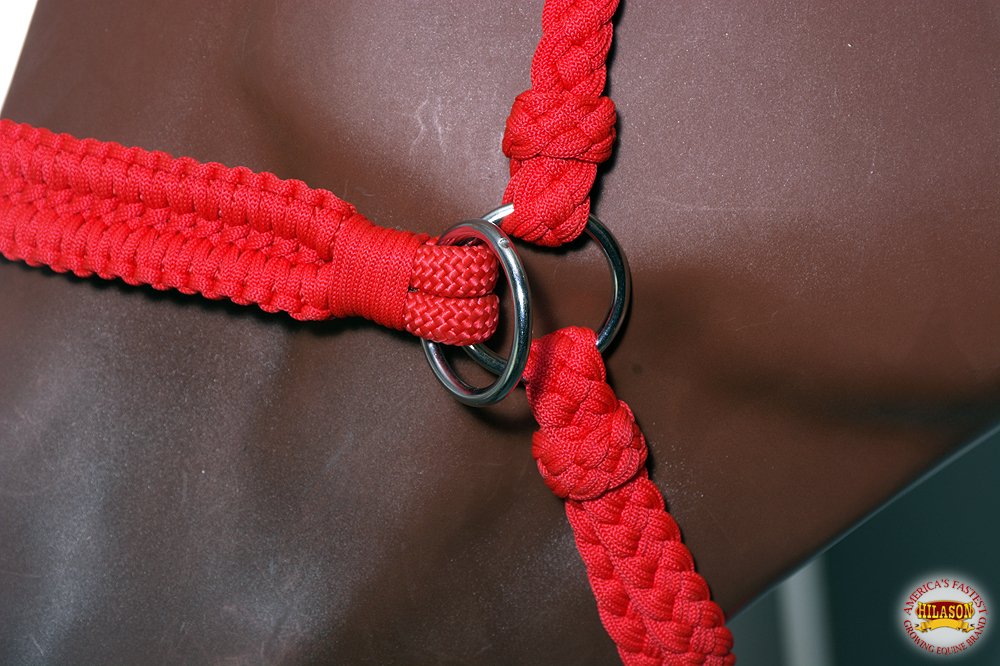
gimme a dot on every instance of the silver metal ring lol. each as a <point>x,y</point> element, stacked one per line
<point>621,281</point>
<point>509,371</point>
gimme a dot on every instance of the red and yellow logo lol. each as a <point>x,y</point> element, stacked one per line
<point>939,614</point>
<point>945,615</point>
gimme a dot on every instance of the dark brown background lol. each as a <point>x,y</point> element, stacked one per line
<point>808,195</point>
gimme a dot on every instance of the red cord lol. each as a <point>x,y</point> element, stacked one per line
<point>92,207</point>
<point>562,128</point>
<point>589,449</point>
<point>590,452</point>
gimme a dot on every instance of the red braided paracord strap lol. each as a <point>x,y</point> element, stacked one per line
<point>562,128</point>
<point>590,452</point>
<point>589,449</point>
<point>94,207</point>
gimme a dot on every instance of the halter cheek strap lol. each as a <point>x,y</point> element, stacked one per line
<point>99,208</point>
<point>589,450</point>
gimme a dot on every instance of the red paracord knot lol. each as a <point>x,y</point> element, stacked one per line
<point>94,207</point>
<point>588,443</point>
<point>589,450</point>
<point>560,129</point>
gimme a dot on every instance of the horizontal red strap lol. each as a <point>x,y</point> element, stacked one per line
<point>95,207</point>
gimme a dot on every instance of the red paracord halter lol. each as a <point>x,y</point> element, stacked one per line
<point>590,451</point>
<point>92,207</point>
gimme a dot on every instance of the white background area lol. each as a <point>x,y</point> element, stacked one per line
<point>14,18</point>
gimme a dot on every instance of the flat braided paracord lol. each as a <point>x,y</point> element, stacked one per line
<point>99,208</point>
<point>92,207</point>
<point>589,450</point>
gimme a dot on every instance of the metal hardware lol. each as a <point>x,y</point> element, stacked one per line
<point>621,281</point>
<point>509,371</point>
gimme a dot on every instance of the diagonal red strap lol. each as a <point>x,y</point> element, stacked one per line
<point>94,207</point>
<point>590,452</point>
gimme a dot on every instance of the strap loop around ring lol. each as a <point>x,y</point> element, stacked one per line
<point>510,371</point>
<point>621,280</point>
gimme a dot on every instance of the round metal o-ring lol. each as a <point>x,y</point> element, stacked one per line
<point>510,371</point>
<point>621,280</point>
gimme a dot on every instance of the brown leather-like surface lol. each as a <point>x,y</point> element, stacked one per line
<point>809,197</point>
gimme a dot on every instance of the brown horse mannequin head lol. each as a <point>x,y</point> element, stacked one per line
<point>808,196</point>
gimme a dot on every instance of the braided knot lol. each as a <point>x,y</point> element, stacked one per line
<point>559,131</point>
<point>560,125</point>
<point>588,443</point>
<point>589,450</point>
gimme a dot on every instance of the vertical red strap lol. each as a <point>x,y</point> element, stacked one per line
<point>562,128</point>
<point>589,449</point>
<point>590,452</point>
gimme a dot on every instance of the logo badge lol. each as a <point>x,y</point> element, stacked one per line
<point>944,614</point>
